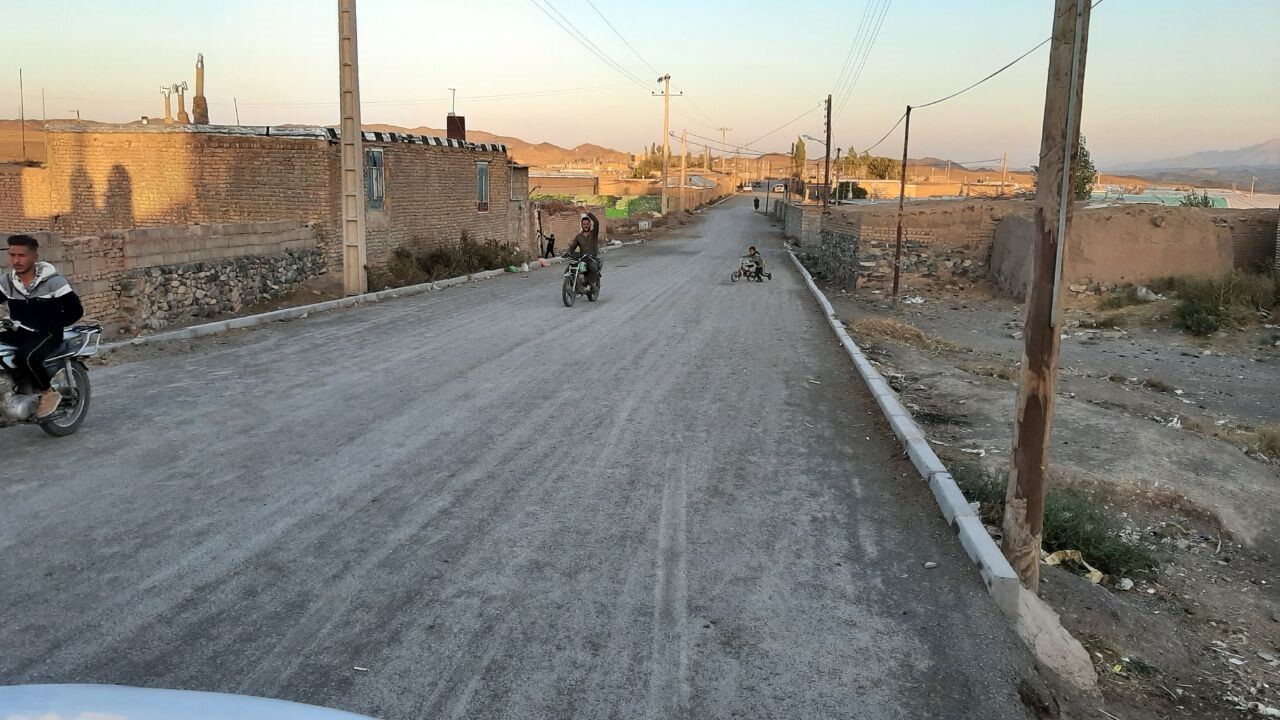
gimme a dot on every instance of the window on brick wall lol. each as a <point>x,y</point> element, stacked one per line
<point>375,179</point>
<point>482,186</point>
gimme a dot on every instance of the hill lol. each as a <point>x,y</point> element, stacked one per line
<point>1264,154</point>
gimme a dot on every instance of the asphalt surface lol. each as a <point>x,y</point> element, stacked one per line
<point>677,502</point>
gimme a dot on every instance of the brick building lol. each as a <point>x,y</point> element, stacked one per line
<point>421,192</point>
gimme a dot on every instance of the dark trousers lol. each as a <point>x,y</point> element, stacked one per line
<point>33,349</point>
<point>593,270</point>
<point>551,248</point>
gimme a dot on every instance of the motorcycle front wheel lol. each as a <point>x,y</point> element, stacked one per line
<point>566,292</point>
<point>73,409</point>
<point>734,277</point>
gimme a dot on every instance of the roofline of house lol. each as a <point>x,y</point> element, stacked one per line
<point>295,132</point>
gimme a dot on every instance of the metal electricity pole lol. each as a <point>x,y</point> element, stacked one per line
<point>826,173</point>
<point>902,196</point>
<point>666,135</point>
<point>1059,148</point>
<point>354,279</point>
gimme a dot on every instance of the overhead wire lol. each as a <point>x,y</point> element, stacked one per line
<point>847,66</point>
<point>585,42</point>
<point>623,39</point>
<point>870,45</point>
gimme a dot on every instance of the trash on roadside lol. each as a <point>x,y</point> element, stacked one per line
<point>615,243</point>
<point>930,565</point>
<point>357,668</point>
<point>1125,584</point>
<point>543,262</point>
<point>913,300</point>
<point>974,451</point>
<point>1144,294</point>
<point>524,267</point>
<point>815,382</point>
<point>1093,575</point>
<point>1176,422</point>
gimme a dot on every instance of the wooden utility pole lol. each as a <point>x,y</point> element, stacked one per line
<point>666,135</point>
<point>826,173</point>
<point>1059,147</point>
<point>902,196</point>
<point>684,165</point>
<point>354,278</point>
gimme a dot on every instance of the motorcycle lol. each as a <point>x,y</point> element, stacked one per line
<point>749,269</point>
<point>69,376</point>
<point>575,280</point>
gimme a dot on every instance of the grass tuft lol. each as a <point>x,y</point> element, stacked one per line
<point>900,332</point>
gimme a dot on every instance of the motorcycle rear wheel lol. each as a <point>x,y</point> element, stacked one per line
<point>566,292</point>
<point>72,414</point>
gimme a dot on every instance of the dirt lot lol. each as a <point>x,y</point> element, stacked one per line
<point>1162,431</point>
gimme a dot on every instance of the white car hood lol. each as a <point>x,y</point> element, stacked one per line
<point>118,702</point>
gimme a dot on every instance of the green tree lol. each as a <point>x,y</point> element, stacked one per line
<point>882,168</point>
<point>797,157</point>
<point>1191,199</point>
<point>1086,175</point>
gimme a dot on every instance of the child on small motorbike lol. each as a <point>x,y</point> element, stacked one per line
<point>755,255</point>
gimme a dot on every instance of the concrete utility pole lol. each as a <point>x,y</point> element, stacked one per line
<point>1004,171</point>
<point>826,173</point>
<point>1252,183</point>
<point>22,115</point>
<point>666,135</point>
<point>902,196</point>
<point>723,145</point>
<point>354,278</point>
<point>684,162</point>
<point>1059,147</point>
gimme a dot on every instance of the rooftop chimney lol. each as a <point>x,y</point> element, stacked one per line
<point>200,106</point>
<point>457,127</point>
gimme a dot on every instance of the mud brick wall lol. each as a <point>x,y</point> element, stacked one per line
<point>1253,236</point>
<point>431,200</point>
<point>567,224</point>
<point>103,178</point>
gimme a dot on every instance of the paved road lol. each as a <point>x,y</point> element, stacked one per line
<point>674,503</point>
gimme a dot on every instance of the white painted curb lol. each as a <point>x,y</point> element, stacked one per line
<point>999,577</point>
<point>302,311</point>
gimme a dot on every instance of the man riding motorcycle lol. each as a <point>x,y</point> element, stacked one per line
<point>588,243</point>
<point>41,299</point>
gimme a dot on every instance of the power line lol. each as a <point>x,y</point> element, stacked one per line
<point>585,42</point>
<point>847,66</point>
<point>997,72</point>
<point>848,93</point>
<point>792,121</point>
<point>886,135</point>
<point>624,40</point>
<point>411,101</point>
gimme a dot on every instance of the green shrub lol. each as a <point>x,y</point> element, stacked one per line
<point>466,257</point>
<point>1206,305</point>
<point>1116,300</point>
<point>1072,521</point>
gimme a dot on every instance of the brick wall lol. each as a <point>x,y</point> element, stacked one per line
<point>567,224</point>
<point>431,200</point>
<point>123,177</point>
<point>152,277</point>
<point>1253,235</point>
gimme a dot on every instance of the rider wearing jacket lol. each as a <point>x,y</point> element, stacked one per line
<point>588,243</point>
<point>43,300</point>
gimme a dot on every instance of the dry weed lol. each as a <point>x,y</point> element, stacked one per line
<point>900,332</point>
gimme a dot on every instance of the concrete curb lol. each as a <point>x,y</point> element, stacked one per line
<point>1035,623</point>
<point>999,577</point>
<point>302,311</point>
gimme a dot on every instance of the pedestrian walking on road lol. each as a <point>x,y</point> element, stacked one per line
<point>756,202</point>
<point>551,246</point>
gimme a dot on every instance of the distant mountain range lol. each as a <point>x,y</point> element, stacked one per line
<point>541,154</point>
<point>1265,154</point>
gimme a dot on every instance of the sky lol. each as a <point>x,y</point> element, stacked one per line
<point>1164,77</point>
